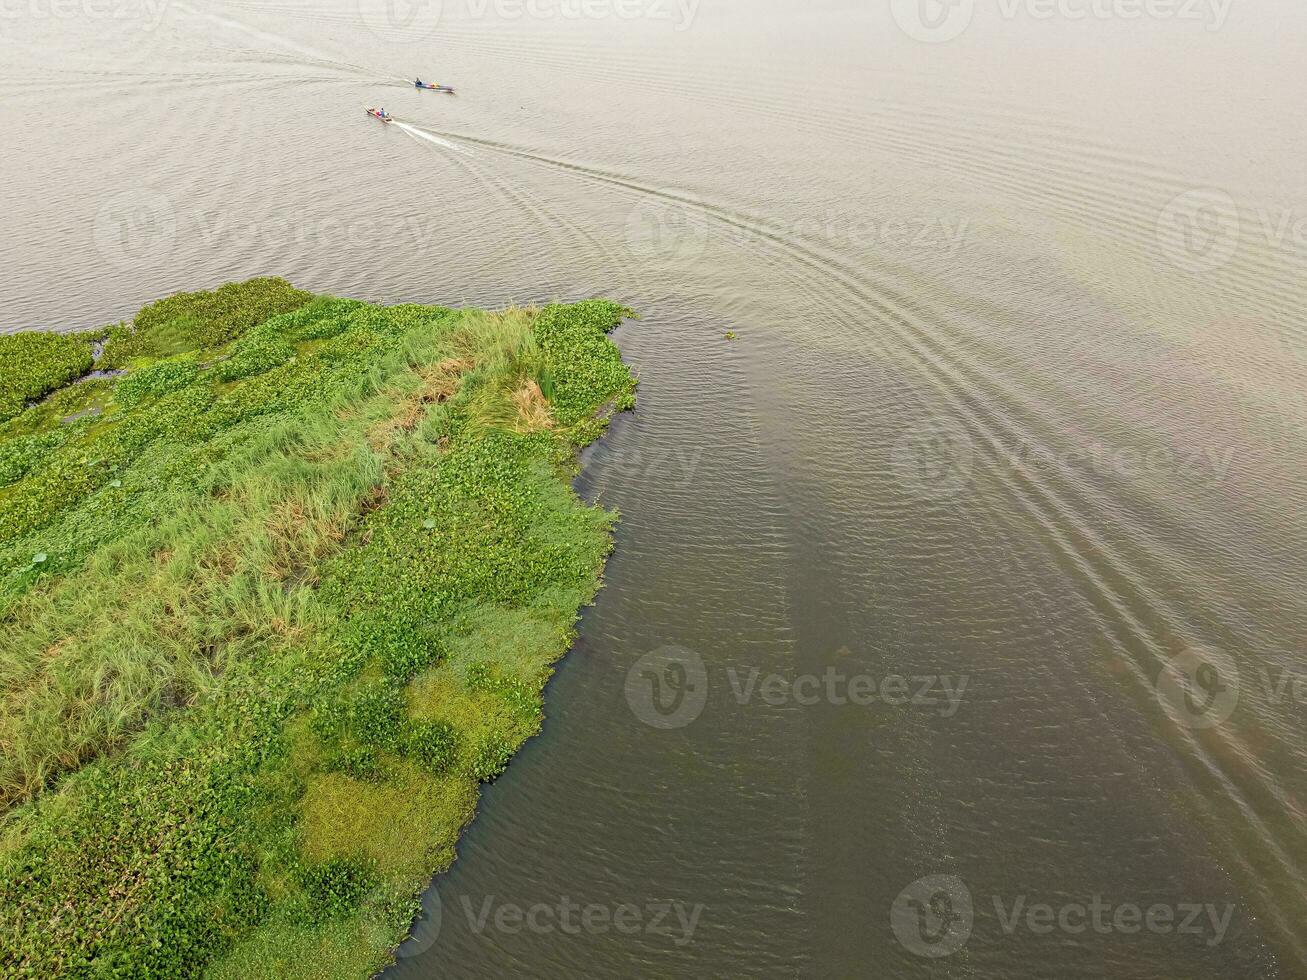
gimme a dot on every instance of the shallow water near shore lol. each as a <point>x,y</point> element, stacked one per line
<point>966,582</point>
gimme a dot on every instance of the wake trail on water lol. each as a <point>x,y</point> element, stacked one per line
<point>305,54</point>
<point>1264,855</point>
<point>296,46</point>
<point>422,134</point>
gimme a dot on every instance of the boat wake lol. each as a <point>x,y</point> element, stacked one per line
<point>422,134</point>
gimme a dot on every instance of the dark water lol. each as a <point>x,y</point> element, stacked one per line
<point>956,624</point>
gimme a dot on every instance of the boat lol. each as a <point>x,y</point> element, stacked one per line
<point>381,114</point>
<point>432,87</point>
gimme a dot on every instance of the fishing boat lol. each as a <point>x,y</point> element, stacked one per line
<point>432,86</point>
<point>381,114</point>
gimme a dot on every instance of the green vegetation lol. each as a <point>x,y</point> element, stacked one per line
<point>275,602</point>
<point>194,321</point>
<point>32,364</point>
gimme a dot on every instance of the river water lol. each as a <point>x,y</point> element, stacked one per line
<point>956,622</point>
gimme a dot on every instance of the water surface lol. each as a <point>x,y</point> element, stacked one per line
<point>1016,405</point>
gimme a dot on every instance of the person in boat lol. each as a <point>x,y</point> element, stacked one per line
<point>419,83</point>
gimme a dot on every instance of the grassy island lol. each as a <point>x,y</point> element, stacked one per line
<point>276,596</point>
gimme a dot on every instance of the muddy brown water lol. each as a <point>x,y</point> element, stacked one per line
<point>956,622</point>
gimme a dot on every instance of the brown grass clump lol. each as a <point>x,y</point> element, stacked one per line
<point>440,382</point>
<point>298,537</point>
<point>533,411</point>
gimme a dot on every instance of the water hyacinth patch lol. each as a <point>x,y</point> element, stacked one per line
<point>33,364</point>
<point>155,380</point>
<point>323,614</point>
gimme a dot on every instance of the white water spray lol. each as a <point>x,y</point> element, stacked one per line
<point>432,138</point>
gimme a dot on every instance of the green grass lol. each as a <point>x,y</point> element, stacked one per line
<point>274,614</point>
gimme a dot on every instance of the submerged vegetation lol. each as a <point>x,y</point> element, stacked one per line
<point>275,602</point>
